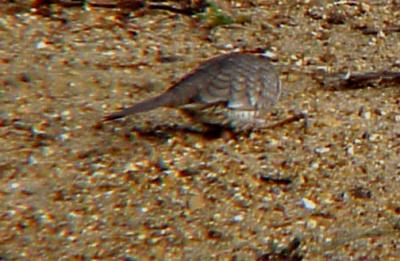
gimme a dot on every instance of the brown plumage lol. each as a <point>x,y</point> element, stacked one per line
<point>232,90</point>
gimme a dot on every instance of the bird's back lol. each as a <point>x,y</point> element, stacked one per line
<point>242,81</point>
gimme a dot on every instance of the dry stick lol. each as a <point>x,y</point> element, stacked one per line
<point>184,11</point>
<point>359,79</point>
<point>134,5</point>
<point>373,30</point>
<point>353,235</point>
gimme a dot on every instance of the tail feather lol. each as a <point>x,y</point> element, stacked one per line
<point>164,99</point>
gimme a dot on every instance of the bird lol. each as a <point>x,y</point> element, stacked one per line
<point>232,90</point>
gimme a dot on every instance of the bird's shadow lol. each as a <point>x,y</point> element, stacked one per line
<point>206,131</point>
<point>167,131</point>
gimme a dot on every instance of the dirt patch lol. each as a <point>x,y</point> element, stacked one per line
<point>142,188</point>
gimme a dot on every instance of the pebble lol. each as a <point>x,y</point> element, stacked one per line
<point>64,137</point>
<point>350,150</point>
<point>308,204</point>
<point>32,160</point>
<point>14,185</point>
<point>322,150</point>
<point>66,115</point>
<point>41,45</point>
<point>237,218</point>
<point>374,137</point>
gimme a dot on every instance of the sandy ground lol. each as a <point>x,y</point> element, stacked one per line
<point>73,189</point>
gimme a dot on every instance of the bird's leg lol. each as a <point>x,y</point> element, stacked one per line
<point>296,117</point>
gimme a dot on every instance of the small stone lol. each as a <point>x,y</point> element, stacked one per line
<point>237,218</point>
<point>270,55</point>
<point>66,115</point>
<point>14,185</point>
<point>350,150</point>
<point>308,204</point>
<point>322,150</point>
<point>364,114</point>
<point>131,167</point>
<point>42,45</point>
<point>64,137</point>
<point>32,160</point>
<point>374,137</point>
<point>144,210</point>
<point>314,165</point>
<point>141,236</point>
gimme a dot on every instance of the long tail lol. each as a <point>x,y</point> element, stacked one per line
<point>164,99</point>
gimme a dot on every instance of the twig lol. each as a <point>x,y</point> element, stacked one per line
<point>367,30</point>
<point>358,80</point>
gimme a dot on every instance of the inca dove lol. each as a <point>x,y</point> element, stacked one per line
<point>233,90</point>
